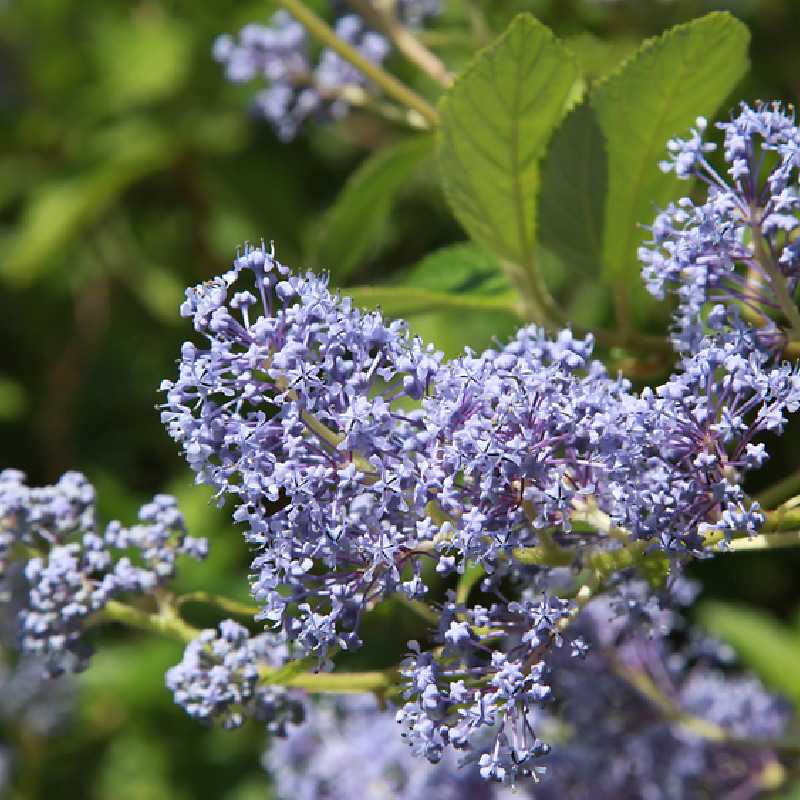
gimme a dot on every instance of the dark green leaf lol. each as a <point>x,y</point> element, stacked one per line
<point>572,201</point>
<point>463,268</point>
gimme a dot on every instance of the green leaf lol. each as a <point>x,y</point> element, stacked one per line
<point>597,57</point>
<point>656,94</point>
<point>352,228</point>
<point>436,293</point>
<point>765,645</point>
<point>404,301</point>
<point>572,201</point>
<point>462,268</point>
<point>496,120</point>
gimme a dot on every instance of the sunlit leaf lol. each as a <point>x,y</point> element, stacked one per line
<point>496,122</point>
<point>654,95</point>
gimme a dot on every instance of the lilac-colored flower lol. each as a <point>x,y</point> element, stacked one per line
<point>353,731</point>
<point>739,246</point>
<point>298,89</point>
<point>219,679</point>
<point>297,410</point>
<point>701,437</point>
<point>481,691</point>
<point>71,569</point>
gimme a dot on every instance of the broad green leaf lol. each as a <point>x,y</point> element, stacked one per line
<point>438,294</point>
<point>352,228</point>
<point>597,57</point>
<point>460,277</point>
<point>572,199</point>
<point>496,120</point>
<point>762,643</point>
<point>656,94</point>
<point>462,268</point>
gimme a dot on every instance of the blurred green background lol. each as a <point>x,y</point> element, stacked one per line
<point>130,169</point>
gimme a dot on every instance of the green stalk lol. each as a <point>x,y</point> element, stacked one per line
<point>767,541</point>
<point>405,41</point>
<point>224,603</point>
<point>380,77</point>
<point>767,262</point>
<point>166,622</point>
<point>781,491</point>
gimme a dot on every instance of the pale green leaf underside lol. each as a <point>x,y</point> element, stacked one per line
<point>458,277</point>
<point>495,123</point>
<point>657,94</point>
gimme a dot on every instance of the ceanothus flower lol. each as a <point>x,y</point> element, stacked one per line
<point>480,690</point>
<point>740,245</point>
<point>219,679</point>
<point>416,12</point>
<point>612,738</point>
<point>353,731</point>
<point>72,569</point>
<point>296,409</point>
<point>298,89</point>
<point>702,436</point>
<point>513,439</point>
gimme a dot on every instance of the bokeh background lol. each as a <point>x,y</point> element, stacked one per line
<point>129,169</point>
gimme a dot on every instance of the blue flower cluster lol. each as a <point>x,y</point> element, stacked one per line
<point>300,88</point>
<point>307,765</point>
<point>484,683</point>
<point>739,246</point>
<point>294,410</point>
<point>698,740</point>
<point>218,679</point>
<point>71,569</point>
<point>610,739</point>
<point>703,427</point>
<point>361,463</point>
